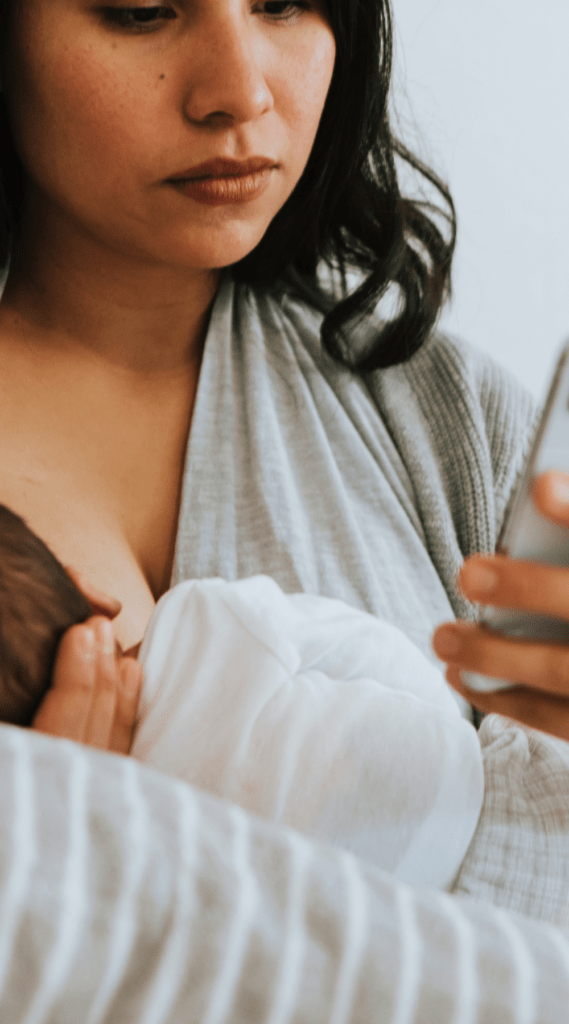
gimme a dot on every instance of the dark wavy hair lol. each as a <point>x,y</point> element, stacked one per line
<point>347,211</point>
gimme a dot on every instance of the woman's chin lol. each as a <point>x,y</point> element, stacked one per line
<point>212,255</point>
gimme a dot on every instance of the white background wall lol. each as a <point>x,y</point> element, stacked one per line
<point>482,91</point>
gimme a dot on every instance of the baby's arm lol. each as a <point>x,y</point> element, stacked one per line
<point>93,698</point>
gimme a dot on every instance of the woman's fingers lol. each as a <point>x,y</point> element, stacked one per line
<point>543,700</point>
<point>540,665</point>
<point>509,583</point>
<point>66,706</point>
<point>550,493</point>
<point>530,707</point>
<point>126,709</point>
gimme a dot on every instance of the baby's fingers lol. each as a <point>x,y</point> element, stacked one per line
<point>126,709</point>
<point>102,712</point>
<point>66,706</point>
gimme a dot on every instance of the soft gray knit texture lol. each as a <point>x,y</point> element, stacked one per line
<point>519,855</point>
<point>372,491</point>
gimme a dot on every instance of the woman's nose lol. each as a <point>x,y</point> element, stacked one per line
<point>226,78</point>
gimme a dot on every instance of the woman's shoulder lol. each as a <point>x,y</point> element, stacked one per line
<point>461,393</point>
<point>481,402</point>
<point>446,367</point>
<point>444,364</point>
<point>457,425</point>
<point>450,405</point>
<point>448,388</point>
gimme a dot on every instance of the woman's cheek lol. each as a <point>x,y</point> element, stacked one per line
<point>307,73</point>
<point>310,77</point>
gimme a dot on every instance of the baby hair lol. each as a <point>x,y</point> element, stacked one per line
<point>38,602</point>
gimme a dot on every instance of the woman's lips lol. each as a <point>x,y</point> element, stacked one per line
<point>224,190</point>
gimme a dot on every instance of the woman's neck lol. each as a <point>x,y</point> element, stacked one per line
<point>143,320</point>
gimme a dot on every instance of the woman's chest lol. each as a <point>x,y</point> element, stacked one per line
<point>96,538</point>
<point>108,506</point>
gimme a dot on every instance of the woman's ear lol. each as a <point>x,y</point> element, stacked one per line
<point>101,603</point>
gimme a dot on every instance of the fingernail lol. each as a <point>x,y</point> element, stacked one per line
<point>480,578</point>
<point>107,637</point>
<point>87,644</point>
<point>559,490</point>
<point>446,642</point>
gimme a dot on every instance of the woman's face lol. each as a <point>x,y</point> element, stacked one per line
<point>109,103</point>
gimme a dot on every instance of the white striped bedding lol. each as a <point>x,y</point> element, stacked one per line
<point>129,897</point>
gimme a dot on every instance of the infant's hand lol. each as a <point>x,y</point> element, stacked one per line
<point>94,693</point>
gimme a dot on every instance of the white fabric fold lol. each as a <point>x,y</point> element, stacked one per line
<point>312,714</point>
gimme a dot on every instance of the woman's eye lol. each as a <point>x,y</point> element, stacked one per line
<point>281,10</point>
<point>144,19</point>
<point>139,19</point>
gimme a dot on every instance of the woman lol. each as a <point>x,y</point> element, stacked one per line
<point>162,419</point>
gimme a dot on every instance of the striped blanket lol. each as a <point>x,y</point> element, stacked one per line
<point>129,898</point>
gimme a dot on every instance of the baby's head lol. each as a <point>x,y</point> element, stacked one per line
<point>38,603</point>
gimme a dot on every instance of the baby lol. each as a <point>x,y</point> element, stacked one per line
<point>299,708</point>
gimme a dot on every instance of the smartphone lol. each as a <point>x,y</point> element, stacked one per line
<point>526,534</point>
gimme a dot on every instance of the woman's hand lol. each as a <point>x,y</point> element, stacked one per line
<point>94,693</point>
<point>543,669</point>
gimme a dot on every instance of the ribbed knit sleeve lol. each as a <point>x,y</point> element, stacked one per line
<point>129,898</point>
<point>463,426</point>
<point>510,415</point>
